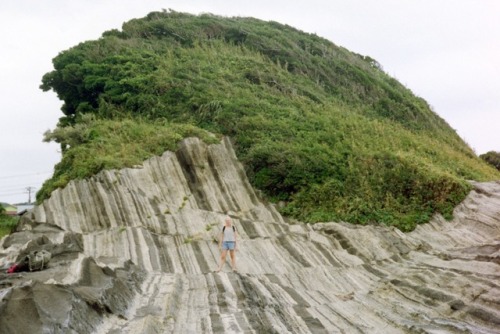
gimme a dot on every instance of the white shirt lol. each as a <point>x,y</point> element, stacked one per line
<point>229,234</point>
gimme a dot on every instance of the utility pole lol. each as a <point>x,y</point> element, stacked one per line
<point>29,190</point>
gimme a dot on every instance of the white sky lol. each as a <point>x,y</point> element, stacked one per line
<point>446,51</point>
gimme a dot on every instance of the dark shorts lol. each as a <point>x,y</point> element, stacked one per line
<point>228,245</point>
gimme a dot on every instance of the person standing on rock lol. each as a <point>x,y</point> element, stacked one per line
<point>228,242</point>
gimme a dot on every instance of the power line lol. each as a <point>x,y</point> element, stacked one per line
<point>13,192</point>
<point>18,186</point>
<point>22,186</point>
<point>10,194</point>
<point>21,183</point>
<point>23,175</point>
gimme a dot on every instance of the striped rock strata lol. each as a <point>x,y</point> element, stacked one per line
<point>134,252</point>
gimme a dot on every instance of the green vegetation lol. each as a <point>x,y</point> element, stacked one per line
<point>318,127</point>
<point>93,144</point>
<point>492,158</point>
<point>7,223</point>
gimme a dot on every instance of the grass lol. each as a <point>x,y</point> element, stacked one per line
<point>96,144</point>
<point>7,223</point>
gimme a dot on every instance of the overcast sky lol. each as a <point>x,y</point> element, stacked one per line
<point>446,51</point>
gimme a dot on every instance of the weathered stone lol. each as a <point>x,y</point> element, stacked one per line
<point>134,252</point>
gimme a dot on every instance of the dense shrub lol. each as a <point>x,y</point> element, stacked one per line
<point>94,144</point>
<point>319,127</point>
<point>7,223</point>
<point>493,158</point>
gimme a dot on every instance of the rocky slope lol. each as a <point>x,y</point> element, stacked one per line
<point>134,252</point>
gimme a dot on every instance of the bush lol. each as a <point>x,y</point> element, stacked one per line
<point>7,224</point>
<point>317,126</point>
<point>95,144</point>
<point>493,158</point>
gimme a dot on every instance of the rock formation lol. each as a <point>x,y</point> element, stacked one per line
<point>134,252</point>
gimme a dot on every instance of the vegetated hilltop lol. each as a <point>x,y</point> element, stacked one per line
<point>320,128</point>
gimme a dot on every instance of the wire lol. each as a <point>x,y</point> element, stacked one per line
<point>16,193</point>
<point>23,175</point>
<point>10,194</point>
<point>17,187</point>
<point>13,192</point>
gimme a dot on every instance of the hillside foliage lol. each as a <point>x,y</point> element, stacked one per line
<point>492,158</point>
<point>320,128</point>
<point>7,223</point>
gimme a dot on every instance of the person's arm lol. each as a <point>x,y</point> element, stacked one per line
<point>221,236</point>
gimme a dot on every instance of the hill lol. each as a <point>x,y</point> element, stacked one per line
<point>321,129</point>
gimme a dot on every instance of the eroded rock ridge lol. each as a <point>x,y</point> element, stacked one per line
<point>134,252</point>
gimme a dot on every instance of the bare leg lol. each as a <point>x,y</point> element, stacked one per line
<point>222,259</point>
<point>233,259</point>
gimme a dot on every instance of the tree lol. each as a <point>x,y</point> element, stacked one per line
<point>493,158</point>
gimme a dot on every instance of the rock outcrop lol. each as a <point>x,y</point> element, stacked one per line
<point>134,252</point>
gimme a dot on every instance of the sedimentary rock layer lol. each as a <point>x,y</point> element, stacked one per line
<point>135,250</point>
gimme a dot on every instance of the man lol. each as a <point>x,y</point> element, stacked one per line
<point>228,242</point>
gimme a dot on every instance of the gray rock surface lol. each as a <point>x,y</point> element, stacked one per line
<point>134,252</point>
